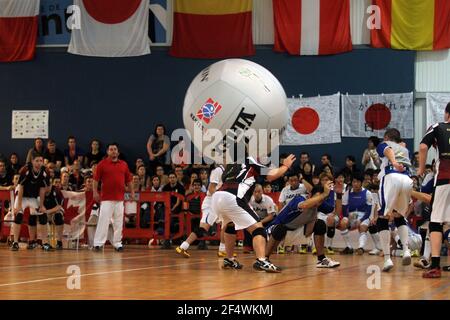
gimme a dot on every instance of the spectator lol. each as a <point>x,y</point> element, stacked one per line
<point>204,177</point>
<point>367,178</point>
<point>190,187</point>
<point>38,148</point>
<point>307,171</point>
<point>14,163</point>
<point>158,206</point>
<point>139,162</point>
<point>194,200</point>
<point>267,187</point>
<point>163,178</point>
<point>156,184</point>
<point>325,161</point>
<point>51,168</point>
<point>95,154</point>
<point>339,183</point>
<point>72,153</point>
<point>5,177</point>
<point>415,161</point>
<point>175,202</point>
<point>144,180</point>
<point>315,180</point>
<point>294,188</point>
<point>416,183</point>
<point>75,179</point>
<point>328,169</point>
<point>65,181</point>
<point>370,158</point>
<point>88,185</point>
<point>350,168</point>
<point>158,145</point>
<point>52,154</point>
<point>304,158</point>
<point>181,177</point>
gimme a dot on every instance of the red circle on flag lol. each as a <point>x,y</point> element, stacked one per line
<point>305,120</point>
<point>378,116</point>
<point>111,11</point>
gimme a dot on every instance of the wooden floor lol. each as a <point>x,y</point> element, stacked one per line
<point>142,273</point>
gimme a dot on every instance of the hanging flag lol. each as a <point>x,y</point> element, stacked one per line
<point>371,115</point>
<point>413,25</point>
<point>212,29</point>
<point>77,208</point>
<point>312,27</point>
<point>18,29</point>
<point>313,121</point>
<point>111,28</point>
<point>436,103</point>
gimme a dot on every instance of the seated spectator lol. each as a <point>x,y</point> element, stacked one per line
<point>14,163</point>
<point>72,153</point>
<point>350,168</point>
<point>75,179</point>
<point>339,183</point>
<point>6,178</point>
<point>158,206</point>
<point>367,178</point>
<point>38,148</point>
<point>139,162</point>
<point>325,161</point>
<point>88,185</point>
<point>315,180</point>
<point>163,178</point>
<point>181,177</point>
<point>65,181</point>
<point>195,200</point>
<point>328,170</point>
<point>304,158</point>
<point>131,206</point>
<point>371,159</point>
<point>144,180</point>
<point>53,154</point>
<point>158,146</point>
<point>95,154</point>
<point>175,203</point>
<point>190,186</point>
<point>156,184</point>
<point>204,177</point>
<point>307,172</point>
<point>267,187</point>
<point>51,169</point>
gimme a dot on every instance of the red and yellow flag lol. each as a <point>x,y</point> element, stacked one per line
<point>212,29</point>
<point>413,25</point>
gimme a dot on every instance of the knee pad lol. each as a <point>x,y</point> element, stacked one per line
<point>200,232</point>
<point>330,232</point>
<point>43,219</point>
<point>399,222</point>
<point>58,219</point>
<point>230,229</point>
<point>320,228</point>
<point>18,218</point>
<point>435,227</point>
<point>373,229</point>
<point>259,232</point>
<point>279,232</point>
<point>32,221</point>
<point>382,224</point>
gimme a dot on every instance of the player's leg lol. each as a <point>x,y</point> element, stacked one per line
<point>363,228</point>
<point>248,246</point>
<point>259,245</point>
<point>104,219</point>
<point>402,228</point>
<point>320,229</point>
<point>387,189</point>
<point>33,239</point>
<point>277,234</point>
<point>58,219</point>
<point>373,231</point>
<point>199,232</point>
<point>332,222</point>
<point>344,229</point>
<point>230,240</point>
<point>42,232</point>
<point>117,215</point>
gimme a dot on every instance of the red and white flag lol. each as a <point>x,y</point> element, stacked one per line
<point>18,29</point>
<point>312,27</point>
<point>77,208</point>
<point>313,121</point>
<point>111,28</point>
<point>371,115</point>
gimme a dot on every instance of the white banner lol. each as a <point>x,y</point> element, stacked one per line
<point>313,121</point>
<point>371,115</point>
<point>29,124</point>
<point>436,103</point>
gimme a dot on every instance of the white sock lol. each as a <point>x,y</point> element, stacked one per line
<point>385,237</point>
<point>344,235</point>
<point>184,245</point>
<point>376,240</point>
<point>403,233</point>
<point>427,248</point>
<point>362,239</point>
<point>222,247</point>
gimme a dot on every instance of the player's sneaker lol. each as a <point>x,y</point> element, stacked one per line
<point>446,268</point>
<point>266,265</point>
<point>47,247</point>
<point>31,245</point>
<point>422,263</point>
<point>281,250</point>
<point>15,246</point>
<point>360,251</point>
<point>314,251</point>
<point>223,254</point>
<point>388,265</point>
<point>119,249</point>
<point>327,263</point>
<point>374,252</point>
<point>330,251</point>
<point>303,250</point>
<point>10,241</point>
<point>231,264</point>
<point>182,252</point>
<point>432,273</point>
<point>347,250</point>
<point>59,245</point>
<point>406,259</point>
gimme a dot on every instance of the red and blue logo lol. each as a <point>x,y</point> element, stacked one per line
<point>208,111</point>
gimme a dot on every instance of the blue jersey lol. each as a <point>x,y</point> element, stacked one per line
<point>328,204</point>
<point>357,202</point>
<point>289,211</point>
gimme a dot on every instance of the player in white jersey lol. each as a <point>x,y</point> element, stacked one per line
<point>209,216</point>
<point>395,194</point>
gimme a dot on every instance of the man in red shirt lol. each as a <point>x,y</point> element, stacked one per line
<point>114,176</point>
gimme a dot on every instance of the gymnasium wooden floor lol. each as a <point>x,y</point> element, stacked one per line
<point>142,273</point>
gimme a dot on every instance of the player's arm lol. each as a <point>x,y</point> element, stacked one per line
<point>276,173</point>
<point>424,197</point>
<point>344,203</point>
<point>42,191</point>
<point>212,188</point>
<point>315,200</point>
<point>389,153</point>
<point>368,206</point>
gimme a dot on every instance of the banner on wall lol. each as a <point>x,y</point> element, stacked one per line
<point>53,16</point>
<point>370,115</point>
<point>436,103</point>
<point>29,124</point>
<point>313,120</point>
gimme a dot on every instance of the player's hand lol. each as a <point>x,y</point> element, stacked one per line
<point>42,209</point>
<point>328,187</point>
<point>289,161</point>
<point>398,166</point>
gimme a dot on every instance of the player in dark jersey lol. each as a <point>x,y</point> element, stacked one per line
<point>33,183</point>
<point>438,135</point>
<point>231,203</point>
<point>53,204</point>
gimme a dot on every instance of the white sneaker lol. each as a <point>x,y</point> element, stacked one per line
<point>388,265</point>
<point>374,252</point>
<point>327,263</point>
<point>406,260</point>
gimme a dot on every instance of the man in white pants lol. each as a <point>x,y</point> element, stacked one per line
<point>114,175</point>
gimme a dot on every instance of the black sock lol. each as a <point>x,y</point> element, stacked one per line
<point>304,246</point>
<point>321,257</point>
<point>435,262</point>
<point>39,242</point>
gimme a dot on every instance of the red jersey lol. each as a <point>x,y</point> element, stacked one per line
<point>114,176</point>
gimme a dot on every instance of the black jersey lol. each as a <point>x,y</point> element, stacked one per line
<point>53,199</point>
<point>240,179</point>
<point>32,182</point>
<point>439,137</point>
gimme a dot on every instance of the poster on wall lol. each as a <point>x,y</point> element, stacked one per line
<point>29,124</point>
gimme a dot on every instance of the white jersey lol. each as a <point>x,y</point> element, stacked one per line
<point>401,156</point>
<point>287,194</point>
<point>263,208</point>
<point>216,177</point>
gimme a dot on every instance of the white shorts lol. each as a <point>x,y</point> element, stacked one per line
<point>395,193</point>
<point>354,217</point>
<point>415,242</point>
<point>440,212</point>
<point>208,214</point>
<point>225,205</point>
<point>322,216</point>
<point>31,203</point>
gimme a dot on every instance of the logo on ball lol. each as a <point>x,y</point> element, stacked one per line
<point>209,110</point>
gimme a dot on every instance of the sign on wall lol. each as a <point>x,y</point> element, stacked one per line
<point>29,124</point>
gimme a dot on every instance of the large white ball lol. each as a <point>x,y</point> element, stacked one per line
<point>235,91</point>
